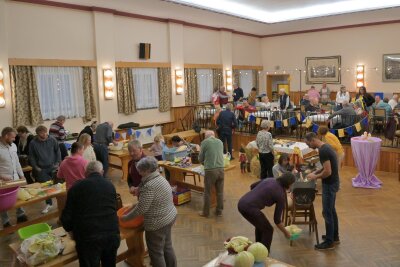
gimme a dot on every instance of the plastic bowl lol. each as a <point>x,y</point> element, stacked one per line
<point>294,236</point>
<point>8,197</point>
<point>33,229</point>
<point>134,223</point>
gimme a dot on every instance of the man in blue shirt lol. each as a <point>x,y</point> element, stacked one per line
<point>237,93</point>
<point>226,122</point>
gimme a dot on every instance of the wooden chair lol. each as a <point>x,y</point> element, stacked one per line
<point>379,118</point>
<point>303,198</point>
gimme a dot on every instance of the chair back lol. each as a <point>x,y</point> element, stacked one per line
<point>379,112</point>
<point>303,193</point>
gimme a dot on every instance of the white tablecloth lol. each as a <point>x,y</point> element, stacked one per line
<point>304,149</point>
<point>206,113</point>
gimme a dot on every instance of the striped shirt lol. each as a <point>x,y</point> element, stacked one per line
<point>155,202</point>
<point>57,131</point>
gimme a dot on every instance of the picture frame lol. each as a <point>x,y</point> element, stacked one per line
<point>323,69</point>
<point>391,68</point>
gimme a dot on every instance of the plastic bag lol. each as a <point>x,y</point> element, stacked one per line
<point>227,159</point>
<point>41,248</point>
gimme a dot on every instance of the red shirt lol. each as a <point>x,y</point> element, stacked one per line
<point>134,178</point>
<point>72,169</point>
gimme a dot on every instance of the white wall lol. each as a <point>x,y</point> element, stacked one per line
<point>201,46</point>
<point>246,50</point>
<point>364,45</point>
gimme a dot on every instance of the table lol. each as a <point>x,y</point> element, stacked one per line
<point>177,177</point>
<point>268,262</point>
<point>304,149</point>
<point>134,255</point>
<point>187,135</point>
<point>124,157</point>
<point>366,154</point>
<point>60,196</point>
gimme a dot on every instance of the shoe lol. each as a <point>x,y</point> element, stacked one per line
<point>218,214</point>
<point>22,218</point>
<point>336,241</point>
<point>232,158</point>
<point>7,224</point>
<point>46,210</point>
<point>203,214</point>
<point>324,246</point>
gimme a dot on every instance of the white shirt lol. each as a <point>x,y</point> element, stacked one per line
<point>9,162</point>
<point>89,154</point>
<point>392,103</point>
<point>341,97</point>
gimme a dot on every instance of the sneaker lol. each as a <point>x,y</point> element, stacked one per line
<point>324,246</point>
<point>336,240</point>
<point>203,214</point>
<point>46,210</point>
<point>22,218</point>
<point>7,224</point>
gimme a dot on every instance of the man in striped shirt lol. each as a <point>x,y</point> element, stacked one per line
<point>58,131</point>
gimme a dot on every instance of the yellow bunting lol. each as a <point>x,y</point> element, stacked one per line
<point>258,121</point>
<point>308,123</point>
<point>298,116</point>
<point>358,126</point>
<point>246,114</point>
<point>285,123</point>
<point>271,124</point>
<point>296,150</point>
<point>341,132</point>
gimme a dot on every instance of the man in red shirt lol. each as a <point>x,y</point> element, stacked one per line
<point>134,178</point>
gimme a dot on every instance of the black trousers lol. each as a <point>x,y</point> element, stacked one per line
<point>226,137</point>
<point>266,164</point>
<point>102,249</point>
<point>63,151</point>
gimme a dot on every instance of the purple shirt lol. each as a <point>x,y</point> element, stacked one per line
<point>263,194</point>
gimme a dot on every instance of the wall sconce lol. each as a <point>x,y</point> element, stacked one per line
<point>229,80</point>
<point>108,84</point>
<point>360,76</point>
<point>179,81</point>
<point>2,98</point>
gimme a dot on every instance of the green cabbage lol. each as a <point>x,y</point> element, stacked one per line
<point>259,251</point>
<point>244,259</point>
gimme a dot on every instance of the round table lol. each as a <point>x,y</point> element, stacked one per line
<point>366,153</point>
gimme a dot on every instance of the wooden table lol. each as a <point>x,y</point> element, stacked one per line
<point>187,135</point>
<point>60,197</point>
<point>124,157</point>
<point>134,255</point>
<point>177,177</point>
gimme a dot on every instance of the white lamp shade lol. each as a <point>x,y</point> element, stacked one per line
<point>360,76</point>
<point>360,68</point>
<point>229,80</point>
<point>179,81</point>
<point>1,89</point>
<point>229,73</point>
<point>109,94</point>
<point>359,84</point>
<point>108,73</point>
<point>179,90</point>
<point>2,102</point>
<point>179,73</point>
<point>108,84</point>
<point>229,87</point>
<point>1,75</point>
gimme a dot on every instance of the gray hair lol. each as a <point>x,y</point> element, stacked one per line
<point>209,134</point>
<point>265,124</point>
<point>60,118</point>
<point>229,106</point>
<point>147,164</point>
<point>135,143</point>
<point>93,167</point>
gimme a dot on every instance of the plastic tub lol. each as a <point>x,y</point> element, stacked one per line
<point>8,197</point>
<point>294,236</point>
<point>33,229</point>
<point>134,223</point>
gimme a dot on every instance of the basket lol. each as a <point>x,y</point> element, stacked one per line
<point>134,223</point>
<point>181,196</point>
<point>170,156</point>
<point>33,229</point>
<point>8,197</point>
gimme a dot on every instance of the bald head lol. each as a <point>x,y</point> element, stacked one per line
<point>209,134</point>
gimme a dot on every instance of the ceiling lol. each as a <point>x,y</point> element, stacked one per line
<point>171,10</point>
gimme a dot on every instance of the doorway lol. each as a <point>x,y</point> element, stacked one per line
<point>275,82</point>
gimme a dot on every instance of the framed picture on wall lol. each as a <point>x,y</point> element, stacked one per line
<point>391,68</point>
<point>323,69</point>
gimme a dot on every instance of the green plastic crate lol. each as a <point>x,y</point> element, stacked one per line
<point>33,229</point>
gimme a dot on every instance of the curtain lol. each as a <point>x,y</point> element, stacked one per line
<point>164,89</point>
<point>191,92</point>
<point>205,84</point>
<point>236,78</point>
<point>60,91</point>
<point>145,82</point>
<point>25,97</point>
<point>88,95</point>
<point>256,78</point>
<point>125,91</point>
<point>218,78</point>
<point>246,81</point>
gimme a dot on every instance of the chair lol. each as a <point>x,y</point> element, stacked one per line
<point>303,198</point>
<point>379,118</point>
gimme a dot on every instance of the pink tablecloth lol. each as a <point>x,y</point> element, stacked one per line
<point>366,154</point>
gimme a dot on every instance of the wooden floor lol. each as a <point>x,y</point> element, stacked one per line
<point>369,226</point>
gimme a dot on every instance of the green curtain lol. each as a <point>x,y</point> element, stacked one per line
<point>125,91</point>
<point>164,89</point>
<point>191,87</point>
<point>88,95</point>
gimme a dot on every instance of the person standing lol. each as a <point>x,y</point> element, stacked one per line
<point>237,93</point>
<point>394,101</point>
<point>58,132</point>
<point>226,122</point>
<point>44,157</point>
<point>330,186</point>
<point>104,133</point>
<point>325,93</point>
<point>135,149</point>
<point>266,150</point>
<point>72,168</point>
<point>223,96</point>
<point>212,157</point>
<point>157,207</point>
<point>90,214</point>
<point>333,141</point>
<point>266,193</point>
<point>10,169</point>
<point>90,130</point>
<point>88,151</point>
<point>284,100</point>
<point>22,141</point>
<point>252,97</point>
<point>313,93</point>
<point>341,97</point>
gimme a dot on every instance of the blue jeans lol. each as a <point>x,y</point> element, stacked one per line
<point>329,211</point>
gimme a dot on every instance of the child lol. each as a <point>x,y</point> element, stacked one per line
<point>157,147</point>
<point>242,160</point>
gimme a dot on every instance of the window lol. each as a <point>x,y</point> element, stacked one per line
<point>60,91</point>
<point>145,82</point>
<point>205,84</point>
<point>246,81</point>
